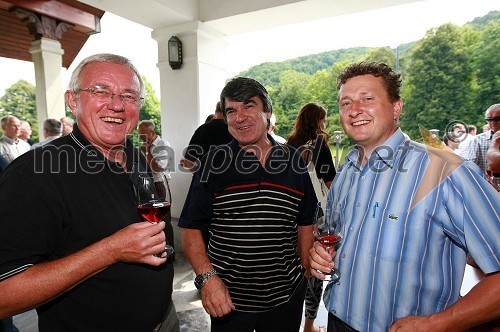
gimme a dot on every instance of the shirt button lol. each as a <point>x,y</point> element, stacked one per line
<point>334,312</point>
<point>363,177</point>
<point>358,204</point>
<point>352,229</point>
<point>343,255</point>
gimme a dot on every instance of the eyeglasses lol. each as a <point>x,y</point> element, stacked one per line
<point>495,119</point>
<point>105,96</point>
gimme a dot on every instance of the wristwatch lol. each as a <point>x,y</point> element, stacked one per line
<point>201,279</point>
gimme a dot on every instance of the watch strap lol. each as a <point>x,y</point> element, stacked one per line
<point>203,278</point>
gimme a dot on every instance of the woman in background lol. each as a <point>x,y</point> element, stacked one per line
<point>309,137</point>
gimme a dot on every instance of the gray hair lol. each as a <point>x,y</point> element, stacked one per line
<point>69,120</point>
<point>6,119</point>
<point>75,81</point>
<point>491,109</point>
<point>148,124</point>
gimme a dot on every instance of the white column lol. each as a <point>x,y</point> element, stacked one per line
<point>188,94</point>
<point>47,58</point>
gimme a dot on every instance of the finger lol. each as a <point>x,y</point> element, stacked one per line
<point>152,228</point>
<point>317,274</point>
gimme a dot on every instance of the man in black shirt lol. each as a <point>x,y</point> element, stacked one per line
<point>207,136</point>
<point>72,243</point>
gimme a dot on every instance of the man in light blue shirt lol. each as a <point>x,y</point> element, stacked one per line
<point>412,213</point>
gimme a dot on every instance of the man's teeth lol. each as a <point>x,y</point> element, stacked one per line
<point>246,127</point>
<point>113,120</point>
<point>359,123</point>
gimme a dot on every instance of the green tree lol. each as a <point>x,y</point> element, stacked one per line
<point>151,109</point>
<point>19,100</point>
<point>382,54</point>
<point>488,70</point>
<point>321,89</point>
<point>438,82</point>
<point>288,97</point>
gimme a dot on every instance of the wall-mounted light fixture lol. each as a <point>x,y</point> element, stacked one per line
<point>175,52</point>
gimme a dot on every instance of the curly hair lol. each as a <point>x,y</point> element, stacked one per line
<point>392,80</point>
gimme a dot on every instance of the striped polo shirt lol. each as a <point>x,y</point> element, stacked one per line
<point>411,215</point>
<point>253,213</point>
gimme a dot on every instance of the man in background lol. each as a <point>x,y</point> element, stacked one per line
<point>493,158</point>
<point>463,146</point>
<point>25,131</point>
<point>11,146</point>
<point>206,137</point>
<point>480,144</point>
<point>52,129</point>
<point>67,125</point>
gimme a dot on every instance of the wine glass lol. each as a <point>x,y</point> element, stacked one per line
<point>154,201</point>
<point>328,230</point>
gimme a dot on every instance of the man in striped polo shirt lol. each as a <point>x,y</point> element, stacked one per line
<point>412,213</point>
<point>256,199</point>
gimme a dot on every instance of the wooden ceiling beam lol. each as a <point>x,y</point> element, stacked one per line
<point>82,21</point>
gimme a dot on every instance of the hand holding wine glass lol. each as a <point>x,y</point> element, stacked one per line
<point>328,231</point>
<point>154,201</point>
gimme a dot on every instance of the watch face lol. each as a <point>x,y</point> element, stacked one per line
<point>198,281</point>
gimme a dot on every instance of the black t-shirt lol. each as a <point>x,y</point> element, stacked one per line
<point>325,169</point>
<point>60,198</point>
<point>321,157</point>
<point>208,135</point>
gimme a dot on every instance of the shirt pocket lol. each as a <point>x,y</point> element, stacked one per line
<point>399,237</point>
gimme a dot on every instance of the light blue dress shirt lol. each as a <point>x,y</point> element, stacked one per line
<point>411,215</point>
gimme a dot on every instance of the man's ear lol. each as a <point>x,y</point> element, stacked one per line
<point>70,97</point>
<point>397,108</point>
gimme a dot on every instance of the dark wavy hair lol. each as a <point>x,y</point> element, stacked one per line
<point>242,89</point>
<point>392,80</point>
<point>306,126</point>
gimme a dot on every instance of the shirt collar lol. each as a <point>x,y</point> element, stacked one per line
<point>386,152</point>
<point>156,141</point>
<point>92,152</point>
<point>275,145</point>
<point>9,140</point>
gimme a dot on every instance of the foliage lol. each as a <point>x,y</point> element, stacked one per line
<point>382,54</point>
<point>151,109</point>
<point>438,84</point>
<point>288,97</point>
<point>268,73</point>
<point>19,100</point>
<point>488,69</point>
<point>479,22</point>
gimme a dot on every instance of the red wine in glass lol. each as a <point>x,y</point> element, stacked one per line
<point>154,201</point>
<point>328,241</point>
<point>328,231</point>
<point>154,212</point>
